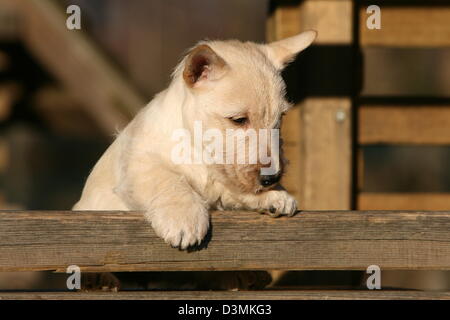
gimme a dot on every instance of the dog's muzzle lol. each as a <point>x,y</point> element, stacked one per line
<point>268,180</point>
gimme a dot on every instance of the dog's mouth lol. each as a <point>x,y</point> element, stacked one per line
<point>262,189</point>
<point>247,178</point>
<point>254,183</point>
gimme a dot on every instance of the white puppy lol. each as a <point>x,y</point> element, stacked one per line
<point>225,85</point>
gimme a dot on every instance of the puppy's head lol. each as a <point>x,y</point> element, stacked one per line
<point>236,89</point>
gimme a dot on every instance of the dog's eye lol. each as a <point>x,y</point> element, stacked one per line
<point>240,121</point>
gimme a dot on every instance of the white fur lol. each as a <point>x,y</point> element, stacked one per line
<point>136,172</point>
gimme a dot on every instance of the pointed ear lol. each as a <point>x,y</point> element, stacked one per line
<point>202,65</point>
<point>284,51</point>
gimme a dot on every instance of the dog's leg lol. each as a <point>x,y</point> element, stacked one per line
<point>273,202</point>
<point>179,215</point>
<point>176,212</point>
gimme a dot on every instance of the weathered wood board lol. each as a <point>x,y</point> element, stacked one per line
<point>404,201</point>
<point>404,125</point>
<point>230,295</point>
<point>123,241</point>
<point>410,26</point>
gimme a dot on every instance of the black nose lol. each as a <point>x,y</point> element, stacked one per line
<point>269,179</point>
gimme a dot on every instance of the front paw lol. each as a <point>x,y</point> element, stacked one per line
<point>187,227</point>
<point>278,203</point>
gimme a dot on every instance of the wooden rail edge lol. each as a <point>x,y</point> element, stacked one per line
<point>231,295</point>
<point>322,240</point>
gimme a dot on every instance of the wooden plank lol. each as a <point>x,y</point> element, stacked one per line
<point>405,72</point>
<point>403,201</point>
<point>286,23</point>
<point>330,18</point>
<point>230,295</point>
<point>282,24</point>
<point>122,241</point>
<point>333,21</point>
<point>76,62</point>
<point>327,173</point>
<point>291,134</point>
<point>412,26</point>
<point>404,125</point>
<point>326,156</point>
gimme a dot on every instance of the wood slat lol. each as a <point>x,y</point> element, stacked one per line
<point>230,295</point>
<point>304,146</point>
<point>404,125</point>
<point>330,18</point>
<point>410,26</point>
<point>405,72</point>
<point>284,23</point>
<point>122,241</point>
<point>325,141</point>
<point>404,201</point>
<point>327,154</point>
<point>290,132</point>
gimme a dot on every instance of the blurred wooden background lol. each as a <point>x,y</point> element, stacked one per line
<point>382,140</point>
<point>370,129</point>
